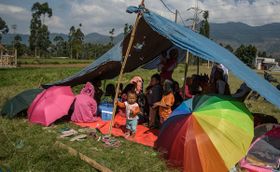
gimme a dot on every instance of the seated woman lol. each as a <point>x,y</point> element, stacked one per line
<point>188,94</point>
<point>141,98</point>
<point>177,95</point>
<point>85,107</point>
<point>98,91</point>
<point>219,86</point>
<point>109,95</point>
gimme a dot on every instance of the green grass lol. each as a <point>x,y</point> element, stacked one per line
<point>38,61</point>
<point>28,147</point>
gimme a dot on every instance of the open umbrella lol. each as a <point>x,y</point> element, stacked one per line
<point>264,153</point>
<point>20,102</point>
<point>51,105</point>
<point>213,137</point>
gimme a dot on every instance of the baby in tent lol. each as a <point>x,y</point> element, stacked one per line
<point>132,110</point>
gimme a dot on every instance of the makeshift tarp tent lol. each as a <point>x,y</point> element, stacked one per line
<point>159,34</point>
<point>105,67</point>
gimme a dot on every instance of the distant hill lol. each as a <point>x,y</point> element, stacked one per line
<point>265,38</point>
<point>89,38</point>
<point>101,39</point>
<point>8,38</point>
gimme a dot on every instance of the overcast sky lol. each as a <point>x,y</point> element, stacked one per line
<point>102,15</point>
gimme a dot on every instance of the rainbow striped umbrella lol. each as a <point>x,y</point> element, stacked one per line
<point>213,137</point>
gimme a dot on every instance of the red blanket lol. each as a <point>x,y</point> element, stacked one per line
<point>143,134</point>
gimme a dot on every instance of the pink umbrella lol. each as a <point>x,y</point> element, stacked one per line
<point>51,105</point>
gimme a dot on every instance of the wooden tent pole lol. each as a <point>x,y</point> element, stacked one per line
<point>185,74</point>
<point>187,66</point>
<point>197,65</point>
<point>123,66</point>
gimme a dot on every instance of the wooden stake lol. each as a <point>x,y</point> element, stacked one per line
<point>83,157</point>
<point>123,66</point>
<point>15,57</point>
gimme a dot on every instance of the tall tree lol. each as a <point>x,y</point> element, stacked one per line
<point>246,54</point>
<point>39,34</point>
<point>71,40</point>
<point>3,28</point>
<point>262,54</point>
<point>59,45</point>
<point>21,48</point>
<point>78,42</point>
<point>112,32</point>
<point>17,41</point>
<point>205,27</point>
<point>76,37</point>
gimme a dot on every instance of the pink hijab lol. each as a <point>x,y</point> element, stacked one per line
<point>85,107</point>
<point>139,83</point>
<point>88,89</point>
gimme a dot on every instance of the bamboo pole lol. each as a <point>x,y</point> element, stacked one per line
<point>1,55</point>
<point>123,67</point>
<point>83,157</point>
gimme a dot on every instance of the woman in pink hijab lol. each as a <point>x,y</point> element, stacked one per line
<point>138,81</point>
<point>141,98</point>
<point>85,107</point>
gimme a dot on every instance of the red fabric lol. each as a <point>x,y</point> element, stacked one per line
<point>143,135</point>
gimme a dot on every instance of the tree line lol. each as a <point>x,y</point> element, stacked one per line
<point>40,44</point>
<point>75,47</point>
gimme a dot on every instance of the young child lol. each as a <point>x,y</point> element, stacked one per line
<point>166,102</point>
<point>132,110</point>
<point>154,94</point>
<point>129,87</point>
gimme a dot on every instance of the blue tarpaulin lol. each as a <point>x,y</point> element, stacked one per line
<point>157,33</point>
<point>97,70</point>
<point>199,45</point>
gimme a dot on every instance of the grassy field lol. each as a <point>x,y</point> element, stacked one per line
<point>36,61</point>
<point>28,147</point>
